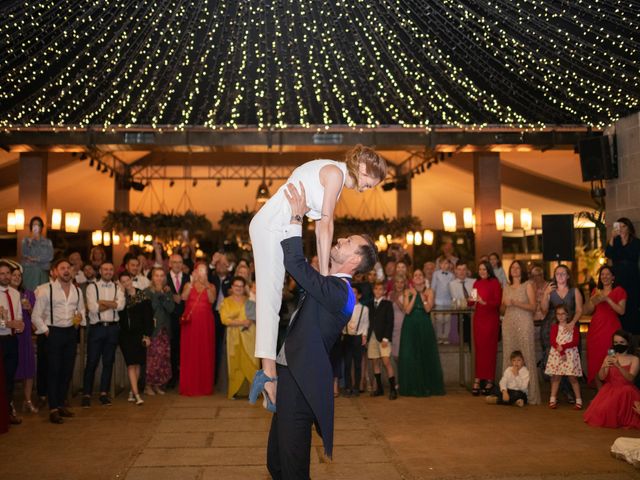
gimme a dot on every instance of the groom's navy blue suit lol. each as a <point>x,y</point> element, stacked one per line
<point>305,385</point>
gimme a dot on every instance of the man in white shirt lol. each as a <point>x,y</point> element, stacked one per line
<point>460,288</point>
<point>10,324</point>
<point>104,300</point>
<point>58,312</point>
<point>355,337</point>
<point>139,280</point>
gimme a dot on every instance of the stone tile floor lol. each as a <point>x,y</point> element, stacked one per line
<point>451,437</point>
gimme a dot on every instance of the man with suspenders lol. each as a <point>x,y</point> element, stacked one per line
<point>104,300</point>
<point>58,312</point>
<point>354,338</point>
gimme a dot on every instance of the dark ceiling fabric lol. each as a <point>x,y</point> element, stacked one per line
<point>289,62</point>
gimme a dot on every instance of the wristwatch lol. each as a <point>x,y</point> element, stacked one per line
<point>296,218</point>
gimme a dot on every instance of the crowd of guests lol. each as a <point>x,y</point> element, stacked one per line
<point>182,322</point>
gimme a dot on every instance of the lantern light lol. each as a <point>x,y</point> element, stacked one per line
<point>19,219</point>
<point>449,221</point>
<point>526,219</point>
<point>115,238</point>
<point>72,222</point>
<point>500,219</point>
<point>467,217</point>
<point>417,238</point>
<point>508,222</point>
<point>106,239</point>
<point>11,222</point>
<point>427,236</point>
<point>96,237</point>
<point>409,238</point>
<point>56,219</point>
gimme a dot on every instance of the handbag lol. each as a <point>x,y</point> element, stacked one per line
<point>186,317</point>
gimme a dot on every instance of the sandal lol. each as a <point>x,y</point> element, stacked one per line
<point>488,388</point>
<point>257,387</point>
<point>578,405</point>
<point>475,391</point>
<point>553,405</point>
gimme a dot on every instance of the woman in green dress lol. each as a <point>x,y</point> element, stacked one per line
<point>419,367</point>
<point>37,253</point>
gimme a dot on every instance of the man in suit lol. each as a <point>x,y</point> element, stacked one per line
<point>220,277</point>
<point>176,281</point>
<point>460,288</point>
<point>380,338</point>
<point>305,379</point>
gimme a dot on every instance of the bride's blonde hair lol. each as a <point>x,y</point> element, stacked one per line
<point>375,165</point>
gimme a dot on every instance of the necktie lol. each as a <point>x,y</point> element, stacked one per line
<point>464,290</point>
<point>13,331</point>
<point>176,282</point>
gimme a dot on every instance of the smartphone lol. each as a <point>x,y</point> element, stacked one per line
<point>616,226</point>
<point>611,352</point>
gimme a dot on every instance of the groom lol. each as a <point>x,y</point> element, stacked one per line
<point>305,380</point>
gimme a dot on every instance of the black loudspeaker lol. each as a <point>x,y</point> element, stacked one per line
<point>558,242</point>
<point>597,160</point>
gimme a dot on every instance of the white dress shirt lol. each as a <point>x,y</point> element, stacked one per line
<point>105,291</point>
<point>15,303</point>
<point>176,279</point>
<point>509,381</point>
<point>455,287</point>
<point>363,327</point>
<point>141,282</point>
<point>62,307</point>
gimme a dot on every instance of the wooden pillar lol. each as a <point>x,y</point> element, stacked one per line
<point>32,191</point>
<point>487,198</point>
<point>121,204</point>
<point>404,207</point>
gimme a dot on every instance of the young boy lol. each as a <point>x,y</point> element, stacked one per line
<point>380,337</point>
<point>514,384</point>
<point>354,338</point>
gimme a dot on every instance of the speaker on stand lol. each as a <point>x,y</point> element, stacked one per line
<point>558,239</point>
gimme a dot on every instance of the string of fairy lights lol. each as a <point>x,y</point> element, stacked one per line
<point>283,63</point>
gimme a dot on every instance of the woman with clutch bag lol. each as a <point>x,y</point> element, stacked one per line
<point>197,336</point>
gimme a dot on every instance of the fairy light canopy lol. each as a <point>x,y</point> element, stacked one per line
<point>227,64</point>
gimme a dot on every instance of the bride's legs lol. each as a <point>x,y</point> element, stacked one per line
<point>270,274</point>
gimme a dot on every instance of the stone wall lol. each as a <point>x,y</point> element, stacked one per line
<point>623,194</point>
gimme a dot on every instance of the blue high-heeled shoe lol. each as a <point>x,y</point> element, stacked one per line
<point>257,387</point>
<point>266,402</point>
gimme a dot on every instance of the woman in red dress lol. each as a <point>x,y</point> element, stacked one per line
<point>613,406</point>
<point>486,326</point>
<point>606,303</point>
<point>197,336</point>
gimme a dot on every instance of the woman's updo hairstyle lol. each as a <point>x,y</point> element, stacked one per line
<point>375,165</point>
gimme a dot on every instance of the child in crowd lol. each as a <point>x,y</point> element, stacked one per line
<point>380,338</point>
<point>514,383</point>
<point>564,358</point>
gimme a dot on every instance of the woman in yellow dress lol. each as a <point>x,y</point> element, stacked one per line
<point>237,312</point>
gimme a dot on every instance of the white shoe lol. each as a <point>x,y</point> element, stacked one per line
<point>139,400</point>
<point>445,342</point>
<point>131,397</point>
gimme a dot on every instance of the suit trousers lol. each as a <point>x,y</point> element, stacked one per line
<point>9,349</point>
<point>41,365</point>
<point>102,342</point>
<point>514,396</point>
<point>61,350</point>
<point>175,348</point>
<point>352,356</point>
<point>289,447</point>
<point>269,264</point>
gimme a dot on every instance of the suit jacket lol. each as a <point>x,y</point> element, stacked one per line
<point>316,327</point>
<point>184,279</point>
<point>381,320</point>
<point>225,285</point>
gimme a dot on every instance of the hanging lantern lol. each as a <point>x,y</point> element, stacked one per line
<point>56,219</point>
<point>467,217</point>
<point>427,236</point>
<point>19,219</point>
<point>115,238</point>
<point>473,223</point>
<point>449,221</point>
<point>11,222</point>
<point>106,239</point>
<point>72,222</point>
<point>409,238</point>
<point>508,222</point>
<point>417,238</point>
<point>96,237</point>
<point>499,219</point>
<point>526,219</point>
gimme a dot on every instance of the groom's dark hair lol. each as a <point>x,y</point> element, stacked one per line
<point>368,255</point>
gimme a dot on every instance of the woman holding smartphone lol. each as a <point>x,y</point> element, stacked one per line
<point>624,252</point>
